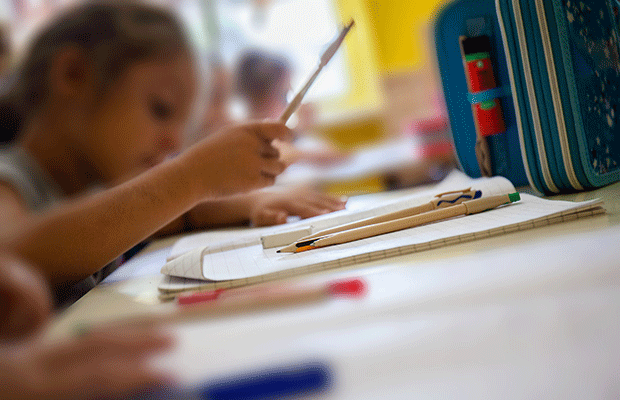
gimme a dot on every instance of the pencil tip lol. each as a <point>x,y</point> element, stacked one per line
<point>305,242</point>
<point>279,251</point>
<point>304,248</point>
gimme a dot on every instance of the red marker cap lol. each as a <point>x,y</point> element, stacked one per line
<point>349,288</point>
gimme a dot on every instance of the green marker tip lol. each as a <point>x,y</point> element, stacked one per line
<point>514,197</point>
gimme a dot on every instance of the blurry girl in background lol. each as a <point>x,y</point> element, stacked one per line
<point>263,82</point>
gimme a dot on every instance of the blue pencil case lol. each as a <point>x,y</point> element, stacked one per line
<point>556,66</point>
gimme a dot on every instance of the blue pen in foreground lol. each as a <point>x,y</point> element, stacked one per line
<point>289,381</point>
<point>304,380</point>
<point>465,208</point>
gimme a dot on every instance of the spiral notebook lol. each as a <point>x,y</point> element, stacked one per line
<point>244,261</point>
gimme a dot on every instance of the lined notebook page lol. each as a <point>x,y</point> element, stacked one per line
<point>253,264</point>
<point>454,181</point>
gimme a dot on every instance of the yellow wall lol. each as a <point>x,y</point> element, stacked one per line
<point>389,36</point>
<point>355,119</point>
<point>360,51</point>
<point>401,31</point>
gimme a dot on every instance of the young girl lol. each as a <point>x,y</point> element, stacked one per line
<point>104,94</point>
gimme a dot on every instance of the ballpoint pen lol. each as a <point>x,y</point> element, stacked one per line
<point>465,208</point>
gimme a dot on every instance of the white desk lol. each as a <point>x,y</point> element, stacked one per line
<point>531,314</point>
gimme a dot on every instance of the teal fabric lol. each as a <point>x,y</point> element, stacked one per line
<point>471,18</point>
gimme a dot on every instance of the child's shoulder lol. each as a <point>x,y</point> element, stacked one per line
<point>21,172</point>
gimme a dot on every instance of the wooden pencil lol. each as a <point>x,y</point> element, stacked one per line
<point>327,55</point>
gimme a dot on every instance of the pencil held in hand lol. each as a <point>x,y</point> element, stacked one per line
<point>327,55</point>
<point>465,208</point>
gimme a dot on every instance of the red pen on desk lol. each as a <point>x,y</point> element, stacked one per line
<point>226,301</point>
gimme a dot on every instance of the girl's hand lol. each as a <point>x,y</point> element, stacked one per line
<point>273,208</point>
<point>237,159</point>
<point>104,364</point>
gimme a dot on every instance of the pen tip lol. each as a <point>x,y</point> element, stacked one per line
<point>351,23</point>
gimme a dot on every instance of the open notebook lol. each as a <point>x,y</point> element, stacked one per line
<point>244,261</point>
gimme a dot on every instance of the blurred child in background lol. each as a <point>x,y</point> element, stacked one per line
<point>263,82</point>
<point>216,113</point>
<point>104,95</point>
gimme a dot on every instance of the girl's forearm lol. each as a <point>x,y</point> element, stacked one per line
<point>213,213</point>
<point>231,210</point>
<point>80,237</point>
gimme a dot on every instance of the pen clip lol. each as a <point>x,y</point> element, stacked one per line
<point>463,191</point>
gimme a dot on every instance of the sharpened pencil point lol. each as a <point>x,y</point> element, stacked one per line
<point>291,248</point>
<point>305,248</point>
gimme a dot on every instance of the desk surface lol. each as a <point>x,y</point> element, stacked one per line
<point>532,313</point>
